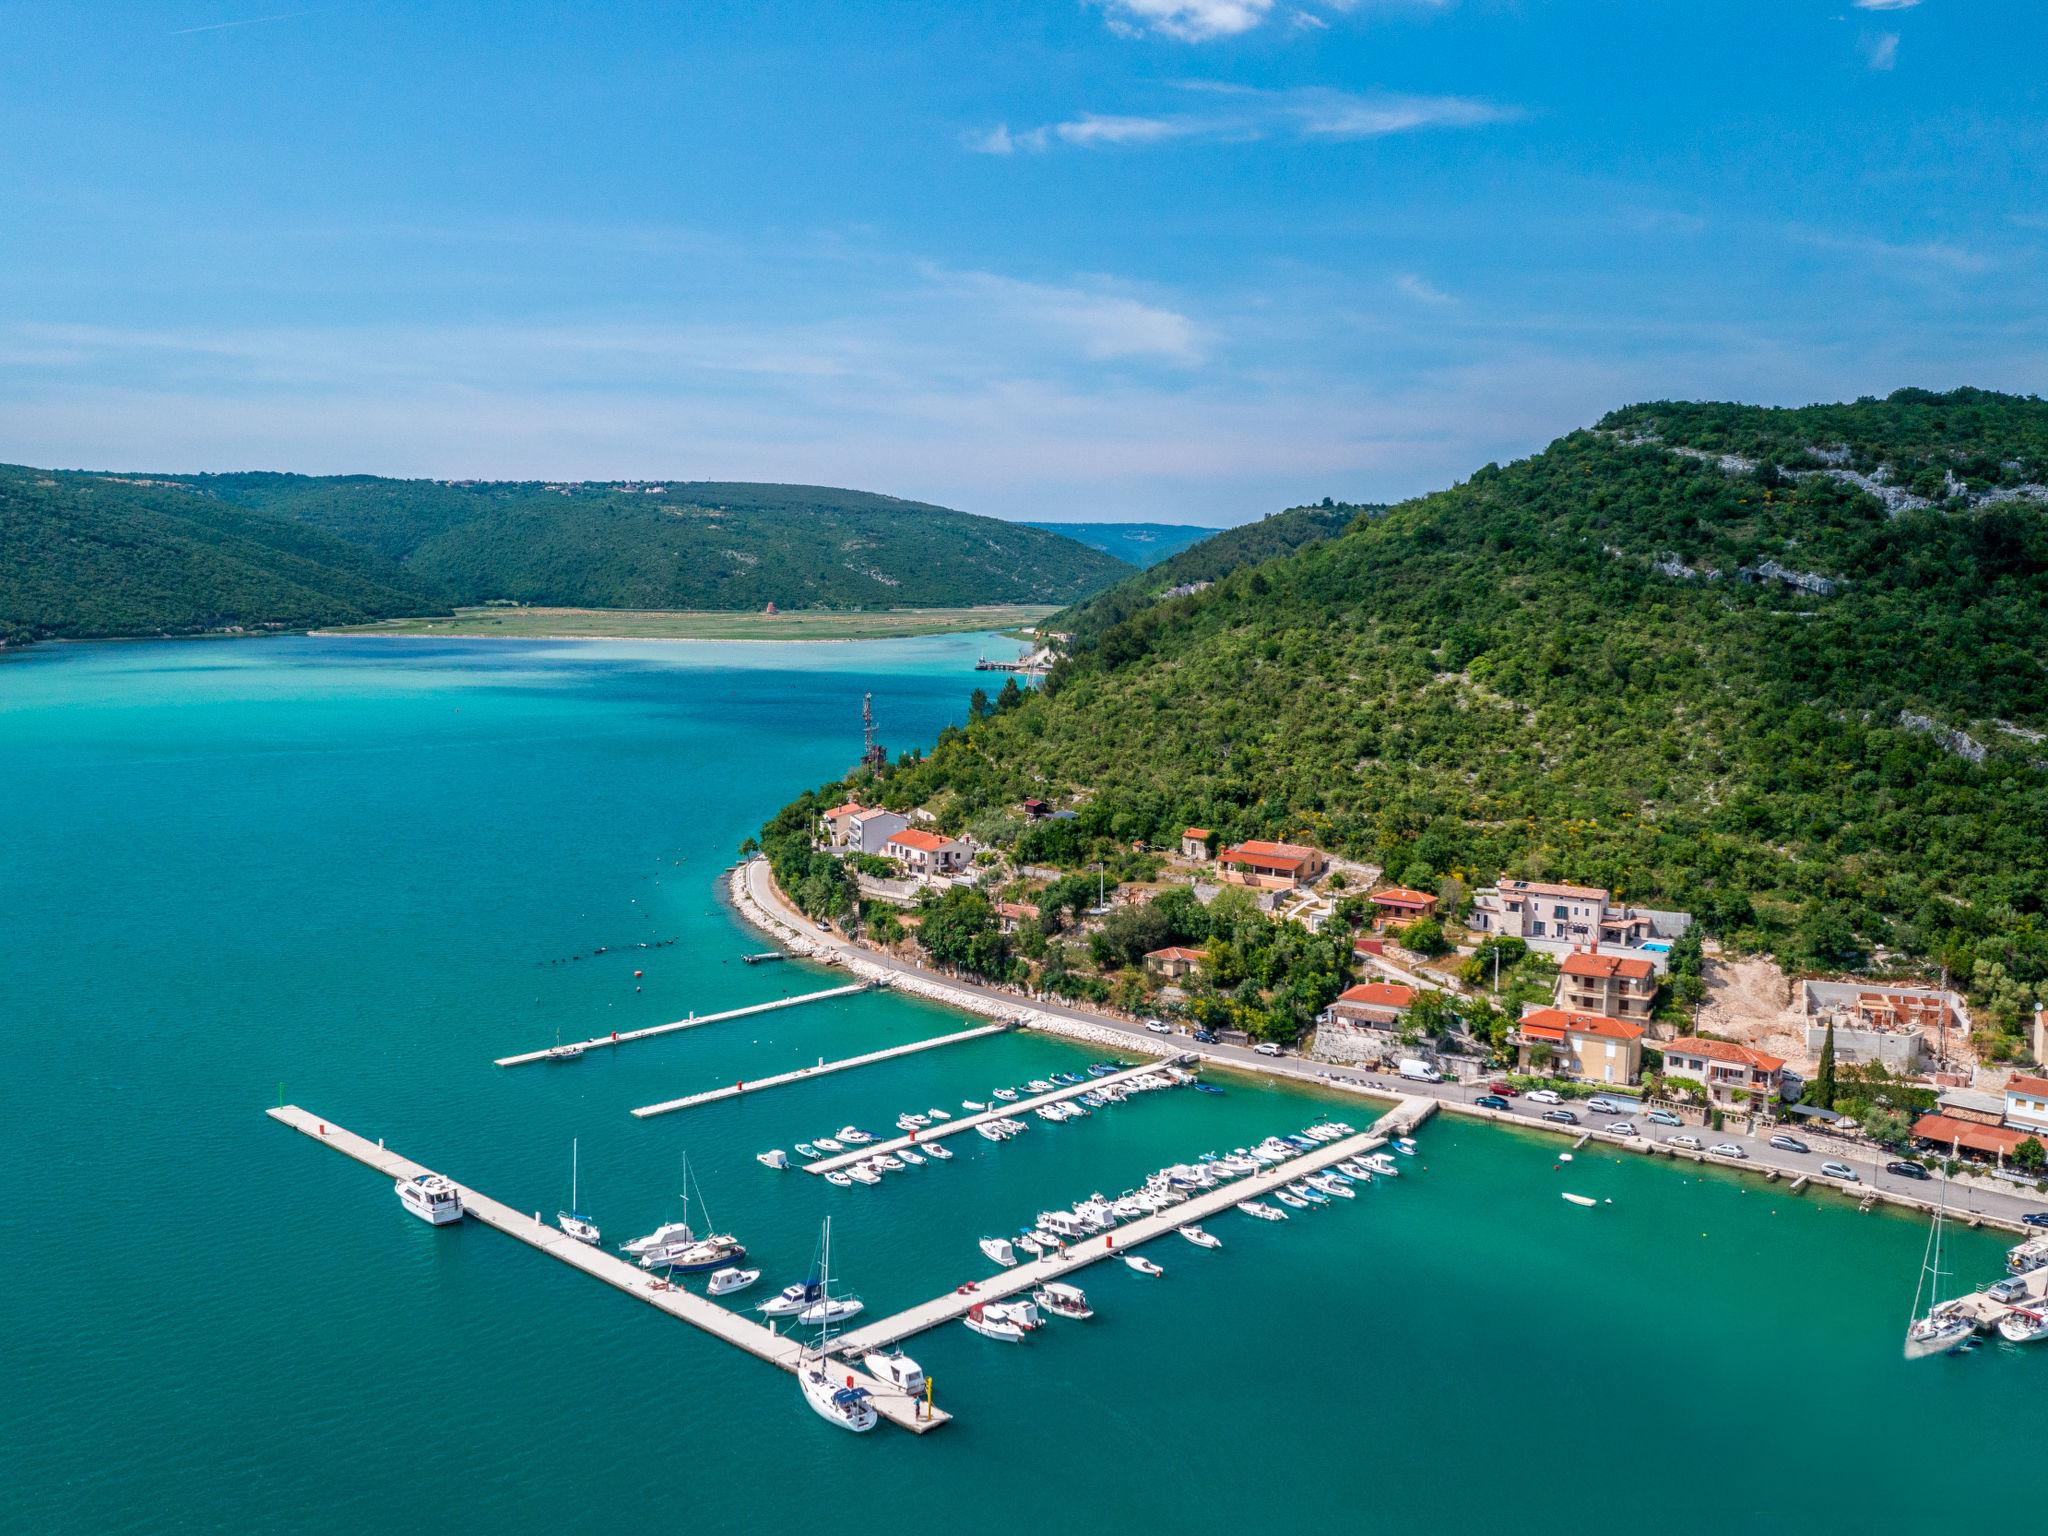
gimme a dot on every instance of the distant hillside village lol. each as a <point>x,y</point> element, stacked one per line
<point>1544,982</point>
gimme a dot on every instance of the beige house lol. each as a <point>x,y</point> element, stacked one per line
<point>1724,1068</point>
<point>1012,915</point>
<point>1372,1005</point>
<point>1194,843</point>
<point>927,855</point>
<point>1264,861</point>
<point>1620,986</point>
<point>856,828</point>
<point>1587,1046</point>
<point>1535,909</point>
<point>2026,1104</point>
<point>1175,962</point>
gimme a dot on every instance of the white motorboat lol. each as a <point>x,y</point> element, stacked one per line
<point>1061,1300</point>
<point>805,1149</point>
<point>829,1144</point>
<point>712,1252</point>
<point>854,1136</point>
<point>561,1052</point>
<point>773,1159</point>
<point>1040,1085</point>
<point>1051,1112</point>
<point>1354,1170</point>
<point>831,1309</point>
<point>831,1394</point>
<point>937,1114</point>
<point>1405,1145</point>
<point>838,1179</point>
<point>1194,1234</point>
<point>993,1321</point>
<point>861,1173</point>
<point>935,1150</point>
<point>1031,1245</point>
<point>973,1104</point>
<point>1007,1095</point>
<point>1142,1265</point>
<point>573,1221</point>
<point>669,1233</point>
<point>2023,1325</point>
<point>999,1250</point>
<point>987,1131</point>
<point>1330,1186</point>
<point>909,1158</point>
<point>1290,1201</point>
<point>888,1162</point>
<point>1382,1165</point>
<point>792,1299</point>
<point>1261,1211</point>
<point>432,1198</point>
<point>724,1282</point>
<point>911,1122</point>
<point>893,1368</point>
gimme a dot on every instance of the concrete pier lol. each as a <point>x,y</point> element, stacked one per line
<point>1126,1238</point>
<point>692,1022</point>
<point>968,1122</point>
<point>822,1069</point>
<point>697,1311</point>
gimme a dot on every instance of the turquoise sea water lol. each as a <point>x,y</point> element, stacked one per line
<point>356,869</point>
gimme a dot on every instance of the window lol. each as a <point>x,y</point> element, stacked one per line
<point>1561,912</point>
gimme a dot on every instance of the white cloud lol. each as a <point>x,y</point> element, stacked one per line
<point>1922,255</point>
<point>1881,51</point>
<point>1102,322</point>
<point>1245,114</point>
<point>1422,290</point>
<point>1886,5</point>
<point>1188,21</point>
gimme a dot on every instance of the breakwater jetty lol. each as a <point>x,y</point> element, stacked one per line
<point>822,1069</point>
<point>694,1021</point>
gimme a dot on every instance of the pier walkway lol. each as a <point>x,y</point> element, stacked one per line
<point>1120,1240</point>
<point>1980,1309</point>
<point>695,1019</point>
<point>997,1111</point>
<point>699,1312</point>
<point>822,1069</point>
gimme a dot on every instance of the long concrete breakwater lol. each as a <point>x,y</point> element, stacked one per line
<point>699,1312</point>
<point>1123,1239</point>
<point>694,1021</point>
<point>822,1069</point>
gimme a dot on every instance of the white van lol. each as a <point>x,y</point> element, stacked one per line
<point>1418,1071</point>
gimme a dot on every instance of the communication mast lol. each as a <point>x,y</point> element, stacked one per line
<point>872,755</point>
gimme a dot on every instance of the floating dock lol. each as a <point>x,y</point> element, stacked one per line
<point>1127,1238</point>
<point>968,1122</point>
<point>692,1022</point>
<point>699,1312</point>
<point>822,1069</point>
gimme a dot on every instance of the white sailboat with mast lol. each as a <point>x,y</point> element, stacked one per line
<point>573,1221</point>
<point>1942,1327</point>
<point>832,1394</point>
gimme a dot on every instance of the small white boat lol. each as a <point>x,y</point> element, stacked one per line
<point>1330,1186</point>
<point>987,1131</point>
<point>861,1173</point>
<point>570,1052</point>
<point>1142,1265</point>
<point>1261,1211</point>
<point>854,1136</point>
<point>973,1104</point>
<point>1382,1165</point>
<point>937,1114</point>
<point>893,1368</point>
<point>838,1179</point>
<point>1040,1085</point>
<point>1290,1201</point>
<point>910,1159</point>
<point>1194,1234</point>
<point>1405,1145</point>
<point>432,1198</point>
<point>999,1250</point>
<point>774,1159</point>
<point>668,1234</point>
<point>791,1300</point>
<point>805,1149</point>
<point>830,1309</point>
<point>1007,1095</point>
<point>1354,1170</point>
<point>1063,1301</point>
<point>829,1144</point>
<point>724,1282</point>
<point>994,1322</point>
<point>573,1221</point>
<point>911,1122</point>
<point>938,1152</point>
<point>1031,1245</point>
<point>1581,1199</point>
<point>888,1162</point>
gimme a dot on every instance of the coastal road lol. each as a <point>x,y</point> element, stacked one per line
<point>1965,1199</point>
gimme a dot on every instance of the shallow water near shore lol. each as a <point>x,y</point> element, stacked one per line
<point>356,871</point>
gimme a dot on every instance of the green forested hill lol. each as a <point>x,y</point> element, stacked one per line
<point>1559,669</point>
<point>89,554</point>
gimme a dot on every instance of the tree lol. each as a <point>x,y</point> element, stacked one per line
<point>959,929</point>
<point>978,707</point>
<point>1886,1127</point>
<point>1824,1079</point>
<point>1425,936</point>
<point>2030,1155</point>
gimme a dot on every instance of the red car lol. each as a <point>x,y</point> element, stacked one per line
<point>1502,1089</point>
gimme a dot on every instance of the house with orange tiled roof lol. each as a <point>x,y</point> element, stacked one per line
<point>1398,904</point>
<point>927,855</point>
<point>1620,986</point>
<point>1589,1046</point>
<point>1175,962</point>
<point>1257,861</point>
<point>1194,842</point>
<point>1372,1005</point>
<point>1724,1069</point>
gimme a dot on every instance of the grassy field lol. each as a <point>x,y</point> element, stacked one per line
<point>628,624</point>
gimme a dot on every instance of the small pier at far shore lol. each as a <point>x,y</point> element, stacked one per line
<point>694,1021</point>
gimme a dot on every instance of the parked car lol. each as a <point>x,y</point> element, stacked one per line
<point>1205,1037</point>
<point>1683,1143</point>
<point>1662,1117</point>
<point>1505,1090</point>
<point>2036,1218</point>
<point>1728,1149</point>
<point>1841,1171</point>
<point>1159,1026</point>
<point>1600,1104</point>
<point>2006,1292</point>
<point>1905,1168</point>
<point>1789,1144</point>
<point>1491,1101</point>
<point>1621,1128</point>
<point>1561,1116</point>
<point>1267,1048</point>
<point>1545,1096</point>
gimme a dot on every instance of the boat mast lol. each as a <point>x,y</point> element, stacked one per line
<point>575,1205</point>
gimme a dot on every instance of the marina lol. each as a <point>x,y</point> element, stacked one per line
<point>784,1351</point>
<point>969,1122</point>
<point>568,1052</point>
<point>822,1069</point>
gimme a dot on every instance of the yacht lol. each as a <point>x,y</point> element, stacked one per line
<point>432,1198</point>
<point>993,1321</point>
<point>1942,1327</point>
<point>935,1150</point>
<point>775,1159</point>
<point>849,1407</point>
<point>999,1250</point>
<point>1261,1211</point>
<point>561,1052</point>
<point>713,1252</point>
<point>1142,1265</point>
<point>893,1368</point>
<point>725,1281</point>
<point>573,1221</point>
<point>792,1299</point>
<point>669,1232</point>
<point>854,1136</point>
<point>1194,1234</point>
<point>2022,1325</point>
<point>1063,1301</point>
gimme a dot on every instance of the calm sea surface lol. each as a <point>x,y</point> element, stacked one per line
<point>355,871</point>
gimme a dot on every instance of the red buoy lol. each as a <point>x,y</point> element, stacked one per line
<point>636,977</point>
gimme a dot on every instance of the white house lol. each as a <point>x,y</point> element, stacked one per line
<point>2026,1104</point>
<point>927,855</point>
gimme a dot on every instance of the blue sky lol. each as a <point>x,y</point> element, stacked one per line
<point>1191,260</point>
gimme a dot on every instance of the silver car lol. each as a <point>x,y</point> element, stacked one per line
<point>1728,1149</point>
<point>1621,1128</point>
<point>1841,1171</point>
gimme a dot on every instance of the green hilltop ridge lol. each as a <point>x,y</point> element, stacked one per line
<point>1785,669</point>
<point>103,554</point>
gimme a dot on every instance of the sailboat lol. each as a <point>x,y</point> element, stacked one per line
<point>561,1052</point>
<point>1942,1327</point>
<point>848,1406</point>
<point>573,1221</point>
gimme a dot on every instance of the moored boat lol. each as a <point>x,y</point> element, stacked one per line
<point>938,1151</point>
<point>2023,1325</point>
<point>893,1368</point>
<point>1062,1300</point>
<point>431,1197</point>
<point>724,1282</point>
<point>848,1406</point>
<point>999,1250</point>
<point>993,1321</point>
<point>1201,1239</point>
<point>1261,1211</point>
<point>776,1158</point>
<point>573,1221</point>
<point>1142,1265</point>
